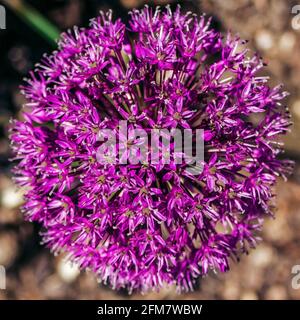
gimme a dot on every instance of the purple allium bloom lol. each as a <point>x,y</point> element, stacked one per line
<point>143,226</point>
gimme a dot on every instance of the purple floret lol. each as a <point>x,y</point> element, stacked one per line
<point>141,226</point>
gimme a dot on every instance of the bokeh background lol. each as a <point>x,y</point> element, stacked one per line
<point>34,273</point>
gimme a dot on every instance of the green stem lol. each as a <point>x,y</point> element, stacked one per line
<point>35,19</point>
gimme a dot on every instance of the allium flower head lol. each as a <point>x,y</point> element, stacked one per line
<point>141,226</point>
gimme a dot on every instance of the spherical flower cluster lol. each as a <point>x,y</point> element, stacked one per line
<point>141,226</point>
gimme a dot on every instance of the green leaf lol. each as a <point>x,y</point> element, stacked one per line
<point>35,19</point>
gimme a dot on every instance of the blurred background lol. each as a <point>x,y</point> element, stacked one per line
<point>32,272</point>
